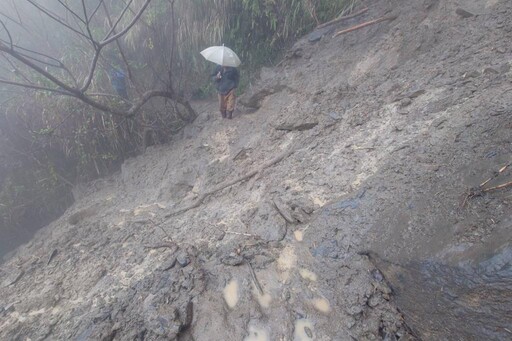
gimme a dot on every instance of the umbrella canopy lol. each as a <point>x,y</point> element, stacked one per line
<point>221,55</point>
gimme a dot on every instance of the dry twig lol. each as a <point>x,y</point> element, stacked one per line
<point>479,191</point>
<point>255,279</point>
<point>365,24</point>
<point>340,19</point>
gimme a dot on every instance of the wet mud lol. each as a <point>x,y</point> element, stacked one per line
<point>443,302</point>
<point>372,227</point>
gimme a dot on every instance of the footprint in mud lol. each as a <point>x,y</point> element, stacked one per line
<point>322,305</point>
<point>303,330</point>
<point>257,334</point>
<point>264,299</point>
<point>309,275</point>
<point>231,293</point>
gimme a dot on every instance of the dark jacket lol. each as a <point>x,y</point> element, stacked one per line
<point>229,79</point>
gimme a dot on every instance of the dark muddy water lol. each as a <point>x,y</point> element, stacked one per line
<point>465,302</point>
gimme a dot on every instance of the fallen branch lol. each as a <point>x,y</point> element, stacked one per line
<point>227,184</point>
<point>368,23</point>
<point>340,19</point>
<point>507,184</point>
<point>242,234</point>
<point>169,245</point>
<point>479,191</point>
<point>255,279</point>
<point>502,169</point>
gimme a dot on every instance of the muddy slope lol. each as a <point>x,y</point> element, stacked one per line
<point>358,214</point>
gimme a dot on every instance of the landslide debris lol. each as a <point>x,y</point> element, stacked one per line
<point>408,116</point>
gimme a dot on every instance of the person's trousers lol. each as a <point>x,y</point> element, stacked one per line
<point>227,101</point>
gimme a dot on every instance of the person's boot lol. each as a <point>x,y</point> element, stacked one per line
<point>230,114</point>
<point>223,113</point>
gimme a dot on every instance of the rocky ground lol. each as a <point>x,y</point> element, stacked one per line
<point>343,202</point>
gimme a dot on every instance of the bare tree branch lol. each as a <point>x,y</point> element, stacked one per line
<point>35,87</point>
<point>113,27</point>
<point>121,52</point>
<point>92,68</point>
<point>8,33</point>
<point>95,10</point>
<point>16,69</point>
<point>60,64</point>
<point>88,27</point>
<point>37,68</point>
<point>71,11</point>
<point>56,18</point>
<point>127,28</point>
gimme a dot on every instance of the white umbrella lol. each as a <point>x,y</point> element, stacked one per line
<point>221,55</point>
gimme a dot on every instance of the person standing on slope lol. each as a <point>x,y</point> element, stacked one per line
<point>226,80</point>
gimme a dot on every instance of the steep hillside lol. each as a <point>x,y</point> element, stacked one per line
<point>343,202</point>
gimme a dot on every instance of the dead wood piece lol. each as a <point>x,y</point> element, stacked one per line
<point>340,19</point>
<point>283,210</point>
<point>255,279</point>
<point>501,170</point>
<point>507,184</point>
<point>242,234</point>
<point>169,245</point>
<point>365,24</point>
<point>241,152</point>
<point>13,278</point>
<point>52,256</point>
<point>227,184</point>
<point>363,148</point>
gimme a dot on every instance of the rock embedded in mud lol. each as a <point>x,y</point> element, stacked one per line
<point>183,259</point>
<point>491,71</point>
<point>168,264</point>
<point>268,224</point>
<point>463,13</point>
<point>327,249</point>
<point>405,102</point>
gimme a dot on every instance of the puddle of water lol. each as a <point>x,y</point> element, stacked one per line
<point>309,275</point>
<point>322,305</point>
<point>231,293</point>
<point>256,334</point>
<point>303,330</point>
<point>299,235</point>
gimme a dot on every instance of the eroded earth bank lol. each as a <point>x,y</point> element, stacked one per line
<point>347,200</point>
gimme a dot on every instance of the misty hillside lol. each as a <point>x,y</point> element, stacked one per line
<point>362,191</point>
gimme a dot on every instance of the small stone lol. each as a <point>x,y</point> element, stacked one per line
<point>505,68</point>
<point>463,13</point>
<point>168,264</point>
<point>416,93</point>
<point>471,74</point>
<point>490,71</point>
<point>317,35</point>
<point>377,275</point>
<point>405,102</point>
<point>374,301</point>
<point>232,259</point>
<point>183,259</point>
<point>9,308</point>
<point>334,115</point>
<point>308,332</point>
<point>354,310</point>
